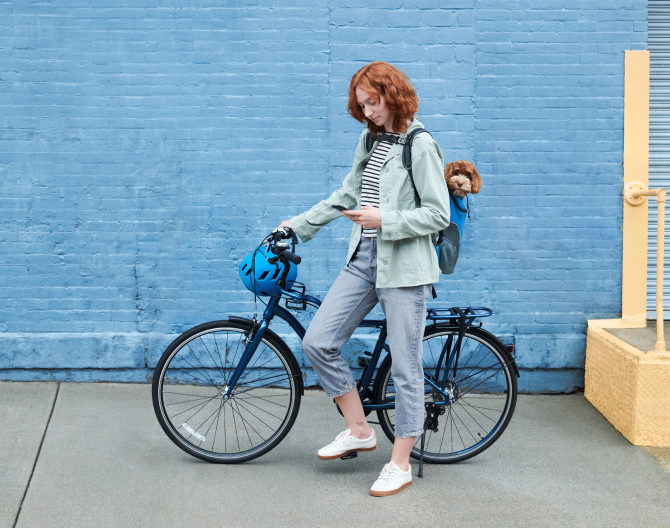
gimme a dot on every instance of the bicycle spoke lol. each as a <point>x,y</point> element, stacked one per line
<point>257,407</point>
<point>185,394</point>
<point>444,430</point>
<point>473,367</point>
<point>461,380</point>
<point>478,409</point>
<point>244,422</point>
<point>216,428</point>
<point>205,403</point>
<point>225,436</point>
<point>237,392</point>
<point>457,430</point>
<point>197,369</point>
<point>473,419</point>
<point>465,427</point>
<point>186,401</point>
<point>210,426</point>
<point>472,354</point>
<point>221,361</point>
<point>192,376</point>
<point>232,403</point>
<point>254,367</point>
<point>235,356</point>
<point>451,421</point>
<point>235,422</point>
<point>482,381</point>
<point>264,399</point>
<point>210,355</point>
<point>203,366</point>
<point>239,404</point>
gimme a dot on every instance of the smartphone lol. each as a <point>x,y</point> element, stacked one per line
<point>339,208</point>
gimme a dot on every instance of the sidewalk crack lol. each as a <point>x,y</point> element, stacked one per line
<point>39,450</point>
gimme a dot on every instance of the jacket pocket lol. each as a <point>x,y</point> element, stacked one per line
<point>413,253</point>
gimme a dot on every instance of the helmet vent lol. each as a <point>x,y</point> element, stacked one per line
<point>265,274</point>
<point>244,267</point>
<point>275,274</point>
<point>248,272</point>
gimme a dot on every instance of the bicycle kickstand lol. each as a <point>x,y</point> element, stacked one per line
<point>423,438</point>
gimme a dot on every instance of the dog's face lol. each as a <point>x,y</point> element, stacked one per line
<point>462,178</point>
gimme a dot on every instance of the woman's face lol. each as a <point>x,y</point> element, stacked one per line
<point>375,109</point>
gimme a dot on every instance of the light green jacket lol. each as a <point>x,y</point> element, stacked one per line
<point>405,252</point>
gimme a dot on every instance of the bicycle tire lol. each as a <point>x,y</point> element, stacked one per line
<point>192,370</point>
<point>491,380</point>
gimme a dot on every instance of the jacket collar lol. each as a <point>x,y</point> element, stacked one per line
<point>396,149</point>
<point>414,124</point>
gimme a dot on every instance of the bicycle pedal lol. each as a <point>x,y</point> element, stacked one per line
<point>349,455</point>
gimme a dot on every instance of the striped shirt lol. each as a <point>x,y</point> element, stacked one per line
<point>370,190</point>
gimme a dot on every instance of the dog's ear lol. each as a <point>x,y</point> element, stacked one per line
<point>449,171</point>
<point>475,180</point>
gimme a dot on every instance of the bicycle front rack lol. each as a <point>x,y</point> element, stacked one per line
<point>295,304</point>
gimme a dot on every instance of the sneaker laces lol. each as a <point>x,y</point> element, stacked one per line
<point>389,472</point>
<point>343,437</point>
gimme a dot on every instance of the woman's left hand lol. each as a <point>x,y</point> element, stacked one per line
<point>367,216</point>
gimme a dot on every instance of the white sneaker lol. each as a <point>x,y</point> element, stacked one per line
<point>391,480</point>
<point>344,444</point>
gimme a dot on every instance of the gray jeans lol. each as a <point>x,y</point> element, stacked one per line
<point>350,299</point>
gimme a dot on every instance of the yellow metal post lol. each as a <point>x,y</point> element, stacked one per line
<point>635,195</point>
<point>660,338</point>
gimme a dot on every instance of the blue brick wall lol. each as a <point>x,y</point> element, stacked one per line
<point>146,147</point>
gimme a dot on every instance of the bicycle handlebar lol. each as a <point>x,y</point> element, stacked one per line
<point>292,257</point>
<point>281,249</point>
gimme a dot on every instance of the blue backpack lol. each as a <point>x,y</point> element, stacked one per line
<point>448,241</point>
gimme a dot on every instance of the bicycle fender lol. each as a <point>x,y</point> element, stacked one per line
<point>287,349</point>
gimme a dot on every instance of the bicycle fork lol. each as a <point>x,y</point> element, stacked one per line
<point>252,340</point>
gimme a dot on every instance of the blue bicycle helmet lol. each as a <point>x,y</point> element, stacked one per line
<point>265,275</point>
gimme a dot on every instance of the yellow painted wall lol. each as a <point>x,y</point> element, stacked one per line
<point>635,168</point>
<point>631,387</point>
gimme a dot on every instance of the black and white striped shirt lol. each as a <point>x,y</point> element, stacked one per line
<point>370,190</point>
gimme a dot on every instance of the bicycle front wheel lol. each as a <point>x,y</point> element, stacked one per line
<point>192,377</point>
<point>483,390</point>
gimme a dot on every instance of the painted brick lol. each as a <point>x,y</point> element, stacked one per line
<point>145,150</point>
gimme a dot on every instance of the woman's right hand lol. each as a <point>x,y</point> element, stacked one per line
<point>285,223</point>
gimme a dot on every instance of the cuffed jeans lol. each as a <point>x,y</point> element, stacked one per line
<point>350,299</point>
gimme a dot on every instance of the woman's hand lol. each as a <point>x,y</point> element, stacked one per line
<point>367,216</point>
<point>285,223</point>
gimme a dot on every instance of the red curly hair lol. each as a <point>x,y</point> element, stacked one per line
<point>380,78</point>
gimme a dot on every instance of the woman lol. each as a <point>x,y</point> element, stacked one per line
<point>391,260</point>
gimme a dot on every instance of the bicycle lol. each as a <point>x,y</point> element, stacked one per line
<point>216,404</point>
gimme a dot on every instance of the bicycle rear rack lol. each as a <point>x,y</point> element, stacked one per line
<point>454,314</point>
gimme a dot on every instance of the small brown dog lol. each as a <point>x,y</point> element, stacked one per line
<point>462,178</point>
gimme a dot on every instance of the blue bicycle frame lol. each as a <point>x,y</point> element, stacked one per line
<point>449,354</point>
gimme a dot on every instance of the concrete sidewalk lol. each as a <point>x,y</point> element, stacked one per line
<point>104,461</point>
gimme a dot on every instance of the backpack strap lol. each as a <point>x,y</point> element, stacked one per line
<point>407,156</point>
<point>458,206</point>
<point>369,141</point>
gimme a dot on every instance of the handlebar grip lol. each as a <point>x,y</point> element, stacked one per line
<point>292,257</point>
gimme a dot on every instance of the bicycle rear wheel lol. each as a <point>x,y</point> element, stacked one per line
<point>484,390</point>
<point>192,376</point>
